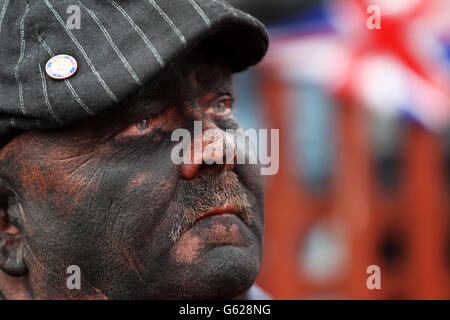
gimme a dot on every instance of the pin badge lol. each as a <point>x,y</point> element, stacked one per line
<point>61,67</point>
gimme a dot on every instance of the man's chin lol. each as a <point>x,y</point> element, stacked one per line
<point>229,271</point>
<point>223,272</point>
<point>219,258</point>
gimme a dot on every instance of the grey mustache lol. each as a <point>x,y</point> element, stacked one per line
<point>205,194</point>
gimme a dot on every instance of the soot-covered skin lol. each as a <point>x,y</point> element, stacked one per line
<point>105,195</point>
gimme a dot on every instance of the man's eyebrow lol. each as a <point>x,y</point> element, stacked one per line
<point>222,91</point>
<point>147,107</point>
<point>141,106</point>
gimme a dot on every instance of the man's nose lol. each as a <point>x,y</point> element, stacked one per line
<point>212,152</point>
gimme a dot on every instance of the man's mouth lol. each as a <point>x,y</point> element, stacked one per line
<point>210,196</point>
<point>226,209</point>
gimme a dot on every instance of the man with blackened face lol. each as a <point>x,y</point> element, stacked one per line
<point>87,176</point>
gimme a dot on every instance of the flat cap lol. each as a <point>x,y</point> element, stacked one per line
<point>119,46</point>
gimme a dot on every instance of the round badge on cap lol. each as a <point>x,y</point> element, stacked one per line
<point>61,67</point>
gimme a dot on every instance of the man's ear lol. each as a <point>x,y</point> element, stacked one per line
<point>11,244</point>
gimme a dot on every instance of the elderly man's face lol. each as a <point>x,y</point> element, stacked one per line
<point>105,195</point>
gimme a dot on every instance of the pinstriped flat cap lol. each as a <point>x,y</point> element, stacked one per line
<point>120,46</point>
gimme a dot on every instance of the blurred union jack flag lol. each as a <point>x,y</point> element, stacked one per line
<point>400,70</point>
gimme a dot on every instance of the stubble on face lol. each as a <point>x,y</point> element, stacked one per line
<point>207,193</point>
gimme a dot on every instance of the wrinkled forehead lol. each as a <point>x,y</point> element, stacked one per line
<point>202,69</point>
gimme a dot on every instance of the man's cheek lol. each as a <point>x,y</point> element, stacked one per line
<point>58,187</point>
<point>134,203</point>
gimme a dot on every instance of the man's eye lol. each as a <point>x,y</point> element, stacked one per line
<point>222,107</point>
<point>140,127</point>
